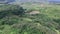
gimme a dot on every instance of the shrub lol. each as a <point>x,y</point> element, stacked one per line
<point>11,10</point>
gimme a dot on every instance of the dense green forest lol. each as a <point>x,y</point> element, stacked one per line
<point>16,19</point>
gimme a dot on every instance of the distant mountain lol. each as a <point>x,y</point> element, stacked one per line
<point>54,1</point>
<point>38,0</point>
<point>31,1</point>
<point>6,1</point>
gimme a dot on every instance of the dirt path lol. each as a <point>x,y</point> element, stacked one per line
<point>34,12</point>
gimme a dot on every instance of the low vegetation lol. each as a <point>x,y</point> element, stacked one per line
<point>15,19</point>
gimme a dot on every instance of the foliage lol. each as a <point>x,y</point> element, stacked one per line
<point>14,20</point>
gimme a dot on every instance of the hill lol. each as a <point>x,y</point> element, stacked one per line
<point>15,19</point>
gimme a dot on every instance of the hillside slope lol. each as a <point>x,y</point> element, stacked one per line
<point>16,20</point>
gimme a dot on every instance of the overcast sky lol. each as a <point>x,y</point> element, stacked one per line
<point>54,0</point>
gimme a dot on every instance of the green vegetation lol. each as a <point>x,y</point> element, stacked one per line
<point>15,19</point>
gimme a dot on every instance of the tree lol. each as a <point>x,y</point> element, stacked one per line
<point>8,10</point>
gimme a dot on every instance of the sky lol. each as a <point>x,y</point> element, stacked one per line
<point>29,0</point>
<point>53,0</point>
